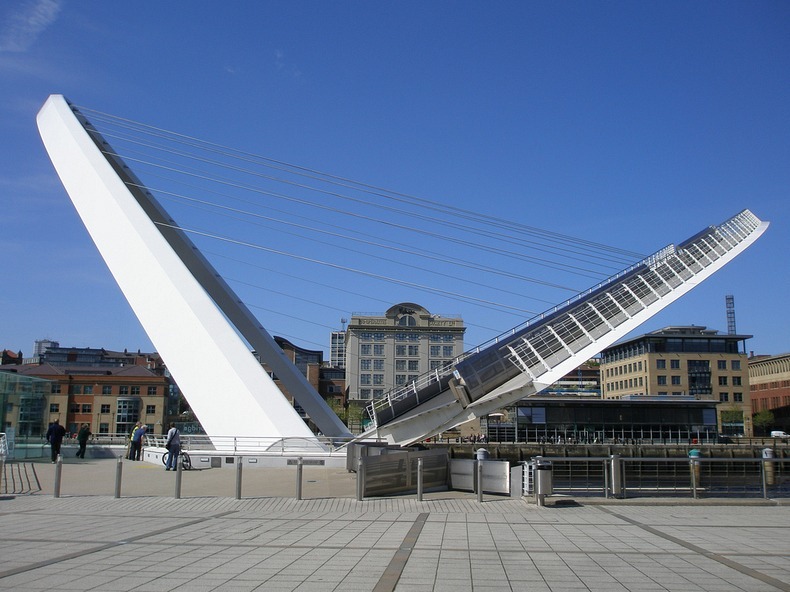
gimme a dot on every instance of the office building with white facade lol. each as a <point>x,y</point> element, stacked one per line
<point>385,351</point>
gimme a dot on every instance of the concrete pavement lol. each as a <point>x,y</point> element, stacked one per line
<point>148,541</point>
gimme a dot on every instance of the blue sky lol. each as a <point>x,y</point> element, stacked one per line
<point>629,124</point>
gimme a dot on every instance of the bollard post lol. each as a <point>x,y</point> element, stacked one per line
<point>178,478</point>
<point>58,473</point>
<point>118,474</point>
<point>299,467</point>
<point>239,460</point>
<point>480,481</point>
<point>360,480</point>
<point>419,479</point>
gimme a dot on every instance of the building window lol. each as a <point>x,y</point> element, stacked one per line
<point>435,351</point>
<point>378,393</point>
<point>378,337</point>
<point>55,389</point>
<point>105,408</point>
<point>736,381</point>
<point>378,364</point>
<point>123,390</point>
<point>721,364</point>
<point>414,350</point>
<point>447,351</point>
<point>400,365</point>
<point>86,407</point>
<point>365,349</point>
<point>364,393</point>
<point>435,364</point>
<point>87,389</point>
<point>661,364</point>
<point>364,379</point>
<point>150,409</point>
<point>378,379</point>
<point>106,390</point>
<point>676,380</point>
<point>407,321</point>
<point>414,365</point>
<point>737,397</point>
<point>135,390</point>
<point>722,381</point>
<point>639,365</point>
<point>400,379</point>
<point>54,407</point>
<point>662,380</point>
<point>735,365</point>
<point>364,364</point>
<point>366,336</point>
<point>674,364</point>
<point>75,408</point>
<point>378,350</point>
<point>76,389</point>
<point>151,391</point>
<point>724,397</point>
<point>400,350</point>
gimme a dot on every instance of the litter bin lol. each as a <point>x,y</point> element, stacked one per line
<point>482,454</point>
<point>694,456</point>
<point>543,479</point>
<point>768,466</point>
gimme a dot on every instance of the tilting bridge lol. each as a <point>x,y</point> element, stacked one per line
<point>534,355</point>
<point>195,314</point>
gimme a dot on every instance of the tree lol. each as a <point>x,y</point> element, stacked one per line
<point>763,419</point>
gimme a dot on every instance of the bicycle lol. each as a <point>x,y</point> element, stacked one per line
<point>186,462</point>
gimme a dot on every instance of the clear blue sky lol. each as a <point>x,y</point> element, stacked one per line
<point>632,124</point>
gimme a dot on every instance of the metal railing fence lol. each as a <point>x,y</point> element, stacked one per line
<point>694,477</point>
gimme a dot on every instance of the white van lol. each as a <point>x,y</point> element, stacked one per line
<point>779,434</point>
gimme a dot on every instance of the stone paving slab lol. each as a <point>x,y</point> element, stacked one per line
<point>88,540</point>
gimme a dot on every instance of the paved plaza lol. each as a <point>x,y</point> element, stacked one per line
<point>148,541</point>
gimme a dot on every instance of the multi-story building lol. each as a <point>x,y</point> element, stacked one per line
<point>692,362</point>
<point>769,382</point>
<point>389,350</point>
<point>110,399</point>
<point>337,349</point>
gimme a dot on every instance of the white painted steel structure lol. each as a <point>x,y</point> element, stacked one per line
<point>180,300</point>
<point>536,354</point>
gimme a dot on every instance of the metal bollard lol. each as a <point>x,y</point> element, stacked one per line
<point>58,473</point>
<point>299,468</point>
<point>239,461</point>
<point>118,475</point>
<point>419,479</point>
<point>178,478</point>
<point>480,481</point>
<point>360,480</point>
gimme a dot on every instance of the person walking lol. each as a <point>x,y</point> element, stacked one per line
<point>173,445</point>
<point>55,435</point>
<point>82,439</point>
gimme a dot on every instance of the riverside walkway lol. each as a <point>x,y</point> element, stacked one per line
<point>149,541</point>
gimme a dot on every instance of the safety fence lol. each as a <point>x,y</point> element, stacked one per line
<point>625,477</point>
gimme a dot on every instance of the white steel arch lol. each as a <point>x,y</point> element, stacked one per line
<point>180,300</point>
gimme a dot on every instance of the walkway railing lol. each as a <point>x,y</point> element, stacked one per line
<point>626,477</point>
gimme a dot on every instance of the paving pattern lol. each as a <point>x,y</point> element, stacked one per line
<point>92,541</point>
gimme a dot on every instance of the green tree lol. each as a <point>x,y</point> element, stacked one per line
<point>763,419</point>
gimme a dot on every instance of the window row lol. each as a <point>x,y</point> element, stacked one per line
<point>87,389</point>
<point>625,384</point>
<point>88,408</point>
<point>736,397</point>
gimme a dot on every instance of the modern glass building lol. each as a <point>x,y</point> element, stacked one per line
<point>23,399</point>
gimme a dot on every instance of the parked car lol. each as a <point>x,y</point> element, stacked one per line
<point>779,434</point>
<point>722,439</point>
